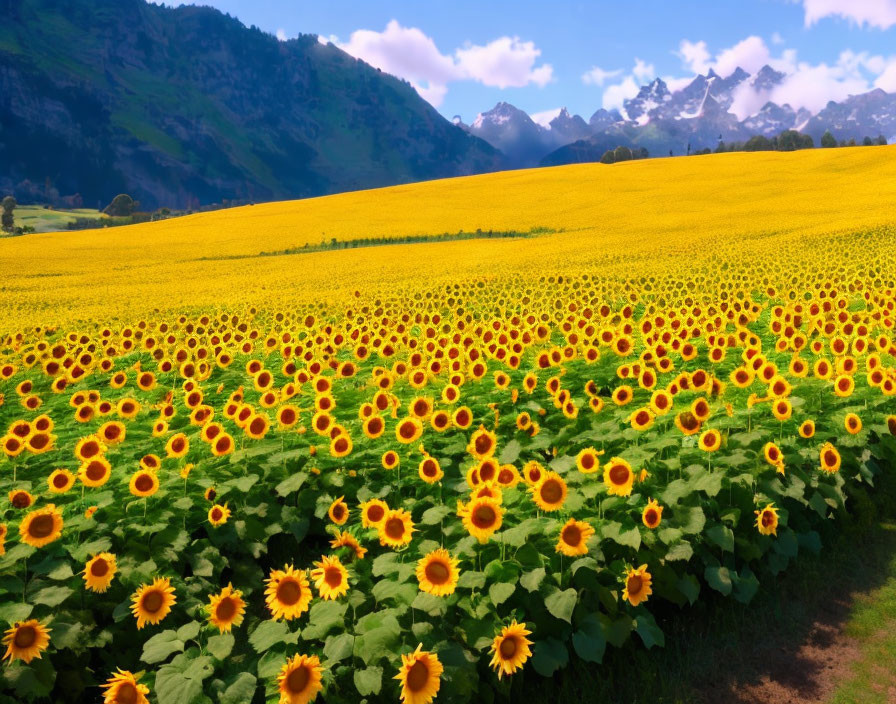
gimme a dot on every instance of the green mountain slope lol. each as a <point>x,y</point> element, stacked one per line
<point>185,106</point>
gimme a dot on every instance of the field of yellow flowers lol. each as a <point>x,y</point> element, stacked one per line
<point>232,471</point>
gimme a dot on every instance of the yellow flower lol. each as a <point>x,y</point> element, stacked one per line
<point>652,514</point>
<point>767,520</point>
<point>152,602</point>
<point>287,593</point>
<point>618,477</point>
<point>123,688</point>
<point>99,571</point>
<point>573,539</point>
<point>26,640</point>
<point>420,676</point>
<point>437,573</point>
<point>226,609</point>
<point>637,585</point>
<point>330,578</point>
<point>299,680</point>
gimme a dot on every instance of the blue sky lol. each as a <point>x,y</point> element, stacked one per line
<point>464,56</point>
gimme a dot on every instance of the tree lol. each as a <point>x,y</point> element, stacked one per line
<point>852,142</point>
<point>758,143</point>
<point>122,205</point>
<point>622,154</point>
<point>881,140</point>
<point>7,221</point>
<point>608,157</point>
<point>867,142</point>
<point>791,140</point>
<point>640,153</point>
<point>828,140</point>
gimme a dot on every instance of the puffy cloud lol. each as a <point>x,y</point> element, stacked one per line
<point>887,79</point>
<point>643,71</point>
<point>615,94</point>
<point>694,55</point>
<point>597,76</point>
<point>407,52</point>
<point>504,62</point>
<point>750,54</point>
<point>874,13</point>
<point>544,117</point>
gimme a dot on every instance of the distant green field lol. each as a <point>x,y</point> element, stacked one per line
<point>48,220</point>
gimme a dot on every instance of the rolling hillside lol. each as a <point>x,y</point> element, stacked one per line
<point>605,220</point>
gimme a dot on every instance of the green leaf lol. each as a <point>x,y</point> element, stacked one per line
<point>15,611</point>
<point>549,656</point>
<point>787,543</point>
<point>369,680</point>
<point>160,646</point>
<point>616,630</point>
<point>510,453</point>
<point>630,537</point>
<point>722,536</point>
<point>675,491</point>
<point>221,645</point>
<point>291,484</point>
<point>709,483</point>
<point>719,578</point>
<point>267,634</point>
<point>691,519</point>
<point>376,644</point>
<point>589,641</point>
<point>501,592</point>
<point>241,691</point>
<point>561,604</point>
<point>323,617</point>
<point>188,631</point>
<point>68,635</point>
<point>680,551</point>
<point>172,687</point>
<point>339,647</point>
<point>532,579</point>
<point>434,515</point>
<point>52,596</point>
<point>746,587</point>
<point>471,580</point>
<point>650,633</point>
<point>690,587</point>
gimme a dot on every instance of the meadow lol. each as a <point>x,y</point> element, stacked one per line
<point>239,471</point>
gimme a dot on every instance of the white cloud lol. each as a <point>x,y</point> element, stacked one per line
<point>544,117</point>
<point>694,55</point>
<point>750,54</point>
<point>615,94</point>
<point>503,63</point>
<point>407,52</point>
<point>874,13</point>
<point>643,71</point>
<point>777,38</point>
<point>887,79</point>
<point>281,34</point>
<point>597,76</point>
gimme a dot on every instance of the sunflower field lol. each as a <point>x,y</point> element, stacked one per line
<point>334,484</point>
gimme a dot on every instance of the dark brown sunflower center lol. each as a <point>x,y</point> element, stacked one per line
<point>20,500</point>
<point>634,584</point>
<point>429,468</point>
<point>483,444</point>
<point>508,647</point>
<point>217,514</point>
<point>226,609</point>
<point>143,483</point>
<point>99,567</point>
<point>418,676</point>
<point>375,513</point>
<point>407,430</point>
<point>484,517</point>
<point>289,592</point>
<point>768,518</point>
<point>298,679</point>
<point>619,474</point>
<point>587,461</point>
<point>96,471</point>
<point>152,601</point>
<point>830,459</point>
<point>572,535</point>
<point>25,637</point>
<point>333,576</point>
<point>41,526</point>
<point>651,516</point>
<point>338,512</point>
<point>395,528</point>
<point>60,480</point>
<point>437,572</point>
<point>126,694</point>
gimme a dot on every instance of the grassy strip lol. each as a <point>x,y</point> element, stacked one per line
<point>335,244</point>
<point>718,649</point>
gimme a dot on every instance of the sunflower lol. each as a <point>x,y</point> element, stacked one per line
<point>299,681</point>
<point>177,446</point>
<point>587,460</point>
<point>807,429</point>
<point>510,649</point>
<point>20,499</point>
<point>89,448</point>
<point>226,608</point>
<point>782,409</point>
<point>26,640</point>
<point>687,423</point>
<point>618,477</point>
<point>429,470</point>
<point>710,440</point>
<point>573,538</point>
<point>550,492</point>
<point>41,526</point>
<point>373,511</point>
<point>39,443</point>
<point>330,578</point>
<point>13,446</point>
<point>3,531</point>
<point>844,385</point>
<point>123,688</point>
<point>347,540</point>
<point>437,573</point>
<point>287,594</point>
<point>144,483</point>
<point>637,585</point>
<point>508,476</point>
<point>99,571</point>
<point>622,395</point>
<point>852,423</point>
<point>338,511</point>
<point>218,515</point>
<point>150,462</point>
<point>222,445</point>
<point>395,529</point>
<point>390,459</point>
<point>408,430</point>
<point>152,602</point>
<point>641,419</point>
<point>462,417</point>
<point>830,458</point>
<point>373,427</point>
<point>661,402</point>
<point>482,444</point>
<point>420,676</point>
<point>481,517</point>
<point>340,445</point>
<point>767,520</point>
<point>113,432</point>
<point>652,514</point>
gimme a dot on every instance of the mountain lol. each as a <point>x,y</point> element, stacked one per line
<point>185,106</point>
<point>513,132</point>
<point>858,116</point>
